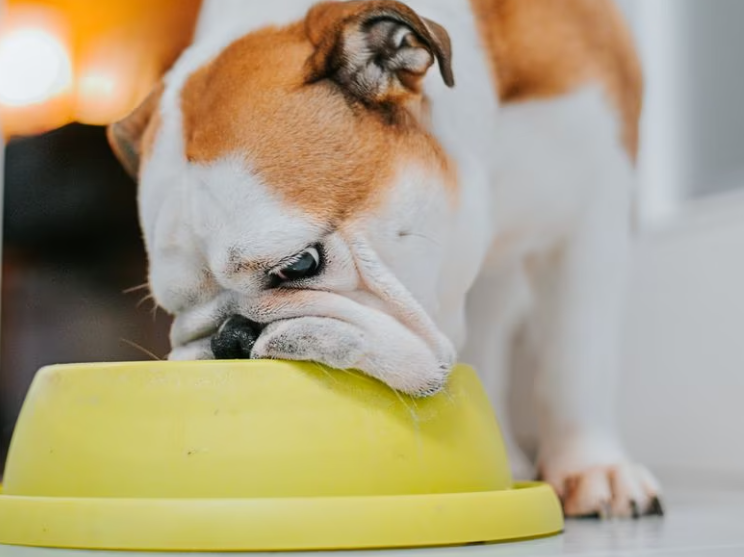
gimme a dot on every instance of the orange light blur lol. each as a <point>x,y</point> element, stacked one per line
<point>118,50</point>
<point>55,110</point>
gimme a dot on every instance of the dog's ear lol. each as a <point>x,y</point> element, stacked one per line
<point>378,50</point>
<point>125,136</point>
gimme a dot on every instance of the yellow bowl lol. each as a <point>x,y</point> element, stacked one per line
<point>257,456</point>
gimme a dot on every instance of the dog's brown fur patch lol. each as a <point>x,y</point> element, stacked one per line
<point>545,48</point>
<point>309,142</point>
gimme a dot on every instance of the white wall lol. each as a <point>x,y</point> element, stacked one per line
<point>682,396</point>
<point>659,27</point>
<point>683,390</point>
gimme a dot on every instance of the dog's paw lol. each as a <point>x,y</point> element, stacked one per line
<point>197,350</point>
<point>328,341</point>
<point>596,480</point>
<point>402,361</point>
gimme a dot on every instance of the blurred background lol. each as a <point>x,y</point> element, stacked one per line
<point>73,261</point>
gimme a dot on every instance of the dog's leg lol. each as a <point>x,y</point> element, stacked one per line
<point>495,308</point>
<point>579,290</point>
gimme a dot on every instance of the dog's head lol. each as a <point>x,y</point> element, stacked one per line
<point>292,178</point>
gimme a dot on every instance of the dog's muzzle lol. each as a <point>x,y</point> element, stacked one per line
<point>235,338</point>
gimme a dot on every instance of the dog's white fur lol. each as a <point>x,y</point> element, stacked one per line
<point>536,247</point>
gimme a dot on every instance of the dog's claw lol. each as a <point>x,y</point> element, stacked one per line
<point>656,509</point>
<point>590,516</point>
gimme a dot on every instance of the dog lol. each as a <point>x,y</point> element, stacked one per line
<point>394,187</point>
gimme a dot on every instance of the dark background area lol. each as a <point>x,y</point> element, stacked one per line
<point>73,256</point>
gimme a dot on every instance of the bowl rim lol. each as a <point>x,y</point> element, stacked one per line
<point>527,511</point>
<point>182,363</point>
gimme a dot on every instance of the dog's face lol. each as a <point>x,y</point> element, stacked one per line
<point>292,180</point>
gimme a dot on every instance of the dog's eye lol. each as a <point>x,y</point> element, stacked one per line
<point>304,265</point>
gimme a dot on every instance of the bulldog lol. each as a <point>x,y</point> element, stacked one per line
<point>394,187</point>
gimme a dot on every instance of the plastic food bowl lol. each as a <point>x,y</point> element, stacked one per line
<point>258,456</point>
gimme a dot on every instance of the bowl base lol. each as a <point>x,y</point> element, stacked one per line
<point>529,510</point>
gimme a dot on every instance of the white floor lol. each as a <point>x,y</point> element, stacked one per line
<point>707,523</point>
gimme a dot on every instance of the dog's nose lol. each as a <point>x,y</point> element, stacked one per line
<point>235,338</point>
